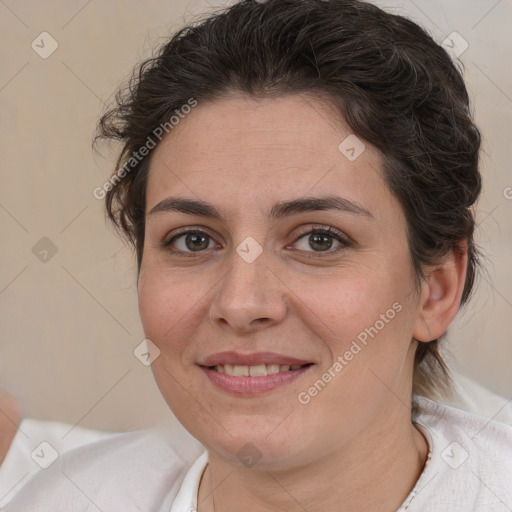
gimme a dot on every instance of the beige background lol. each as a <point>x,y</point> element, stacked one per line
<point>69,325</point>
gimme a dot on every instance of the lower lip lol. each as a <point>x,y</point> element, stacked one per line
<point>252,385</point>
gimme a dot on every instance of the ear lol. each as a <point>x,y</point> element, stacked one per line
<point>441,292</point>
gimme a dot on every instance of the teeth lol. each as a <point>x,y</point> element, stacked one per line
<point>240,371</point>
<point>259,370</point>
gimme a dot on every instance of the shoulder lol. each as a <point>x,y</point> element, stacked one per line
<point>469,395</point>
<point>131,471</point>
<point>33,447</point>
<point>478,431</point>
<point>470,460</point>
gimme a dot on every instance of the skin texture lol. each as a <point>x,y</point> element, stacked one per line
<point>10,418</point>
<point>352,447</point>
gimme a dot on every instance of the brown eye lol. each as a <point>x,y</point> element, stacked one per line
<point>189,241</point>
<point>196,242</point>
<point>321,240</point>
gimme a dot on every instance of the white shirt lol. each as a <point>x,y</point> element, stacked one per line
<point>35,444</point>
<point>469,468</point>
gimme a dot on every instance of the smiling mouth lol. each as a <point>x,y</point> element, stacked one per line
<point>259,370</point>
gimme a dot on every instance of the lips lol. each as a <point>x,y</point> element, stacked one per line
<point>241,382</point>
<point>259,370</point>
<point>254,359</point>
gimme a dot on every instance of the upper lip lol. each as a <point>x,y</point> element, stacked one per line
<point>256,358</point>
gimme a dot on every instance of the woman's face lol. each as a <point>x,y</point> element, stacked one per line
<point>256,280</point>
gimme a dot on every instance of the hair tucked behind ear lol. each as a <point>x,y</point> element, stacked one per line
<point>432,376</point>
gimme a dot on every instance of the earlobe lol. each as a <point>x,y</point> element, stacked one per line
<point>441,292</point>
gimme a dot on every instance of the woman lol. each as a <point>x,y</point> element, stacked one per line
<point>298,179</point>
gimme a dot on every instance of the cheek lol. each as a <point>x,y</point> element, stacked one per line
<point>165,304</point>
<point>365,334</point>
<point>364,318</point>
<point>348,303</point>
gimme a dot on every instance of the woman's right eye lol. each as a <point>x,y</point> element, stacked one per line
<point>189,242</point>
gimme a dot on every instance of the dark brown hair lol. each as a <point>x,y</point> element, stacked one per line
<point>386,77</point>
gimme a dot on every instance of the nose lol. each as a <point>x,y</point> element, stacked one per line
<point>250,296</point>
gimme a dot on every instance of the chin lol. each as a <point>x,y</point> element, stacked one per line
<point>255,448</point>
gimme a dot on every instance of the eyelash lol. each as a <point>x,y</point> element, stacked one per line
<point>315,230</point>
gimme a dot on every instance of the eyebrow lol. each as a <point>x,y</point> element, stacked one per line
<point>278,211</point>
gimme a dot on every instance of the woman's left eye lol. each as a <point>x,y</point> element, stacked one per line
<point>320,240</point>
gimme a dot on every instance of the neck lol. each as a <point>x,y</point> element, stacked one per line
<point>375,473</point>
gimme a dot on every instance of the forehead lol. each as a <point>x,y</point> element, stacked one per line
<point>241,147</point>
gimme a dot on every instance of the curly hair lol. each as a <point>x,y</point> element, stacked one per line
<point>387,79</point>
